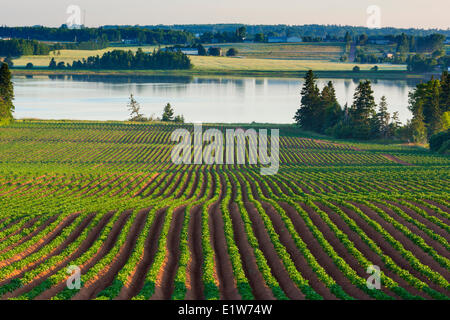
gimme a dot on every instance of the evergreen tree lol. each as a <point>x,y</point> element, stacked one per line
<point>135,110</point>
<point>395,124</point>
<point>329,93</point>
<point>331,109</point>
<point>52,64</point>
<point>383,118</point>
<point>9,62</point>
<point>179,119</point>
<point>362,111</point>
<point>6,94</point>
<point>310,103</point>
<point>347,37</point>
<point>168,113</point>
<point>201,50</point>
<point>346,117</point>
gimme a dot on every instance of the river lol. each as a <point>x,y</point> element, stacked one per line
<point>199,99</point>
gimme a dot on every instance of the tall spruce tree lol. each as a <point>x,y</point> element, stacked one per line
<point>384,118</point>
<point>310,104</point>
<point>168,113</point>
<point>331,110</point>
<point>6,94</point>
<point>363,110</point>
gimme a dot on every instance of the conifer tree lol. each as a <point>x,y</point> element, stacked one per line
<point>310,103</point>
<point>331,110</point>
<point>6,94</point>
<point>383,118</point>
<point>168,113</point>
<point>363,110</point>
<point>135,110</point>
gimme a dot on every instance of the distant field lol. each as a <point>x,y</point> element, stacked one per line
<point>68,56</point>
<point>296,51</point>
<point>246,62</point>
<point>378,48</point>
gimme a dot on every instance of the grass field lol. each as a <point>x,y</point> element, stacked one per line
<point>254,57</point>
<point>106,197</point>
<point>68,56</point>
<point>287,51</point>
<point>249,64</point>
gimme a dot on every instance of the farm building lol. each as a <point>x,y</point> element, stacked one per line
<point>380,41</point>
<point>187,51</point>
<point>190,51</point>
<point>276,39</point>
<point>284,39</point>
<point>129,41</point>
<point>294,39</point>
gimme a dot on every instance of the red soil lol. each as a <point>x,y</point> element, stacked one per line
<point>195,290</point>
<point>165,290</point>
<point>151,246</point>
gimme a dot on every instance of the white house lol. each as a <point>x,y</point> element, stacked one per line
<point>129,41</point>
<point>293,39</point>
<point>190,51</point>
<point>380,41</point>
<point>284,39</point>
<point>276,39</point>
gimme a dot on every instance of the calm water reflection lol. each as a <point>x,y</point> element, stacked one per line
<point>213,99</point>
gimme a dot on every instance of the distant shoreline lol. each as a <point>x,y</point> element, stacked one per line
<point>385,74</point>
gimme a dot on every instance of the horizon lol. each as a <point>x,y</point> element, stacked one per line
<point>201,12</point>
<point>227,23</point>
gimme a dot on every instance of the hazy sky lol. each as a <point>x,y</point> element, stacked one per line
<point>396,13</point>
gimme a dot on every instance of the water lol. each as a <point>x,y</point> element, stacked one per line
<point>199,99</point>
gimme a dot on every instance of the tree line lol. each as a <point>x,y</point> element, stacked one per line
<point>237,35</point>
<point>220,32</point>
<point>6,94</point>
<point>116,34</point>
<point>97,44</point>
<point>328,32</point>
<point>364,119</point>
<point>20,47</point>
<point>128,60</point>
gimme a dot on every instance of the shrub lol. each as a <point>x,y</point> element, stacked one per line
<point>439,140</point>
<point>232,52</point>
<point>215,51</point>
